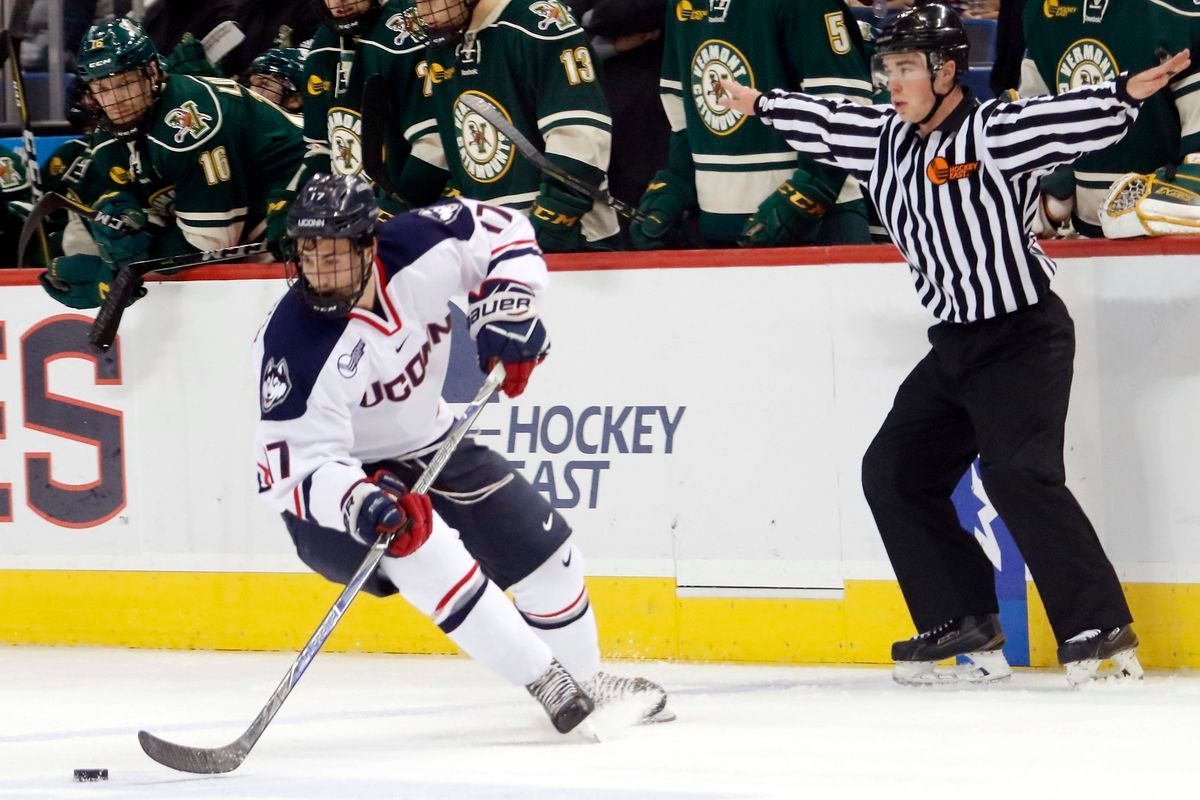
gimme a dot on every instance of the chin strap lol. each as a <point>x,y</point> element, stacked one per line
<point>937,101</point>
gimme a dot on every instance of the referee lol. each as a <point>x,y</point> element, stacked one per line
<point>955,183</point>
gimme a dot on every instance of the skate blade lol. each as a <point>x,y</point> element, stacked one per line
<point>587,732</point>
<point>983,667</point>
<point>1123,667</point>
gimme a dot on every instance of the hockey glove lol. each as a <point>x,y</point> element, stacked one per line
<point>791,215</point>
<point>666,200</point>
<point>277,208</point>
<point>189,58</point>
<point>506,327</point>
<point>81,281</point>
<point>123,246</point>
<point>382,504</point>
<point>556,217</point>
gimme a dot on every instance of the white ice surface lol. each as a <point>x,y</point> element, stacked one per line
<point>370,726</point>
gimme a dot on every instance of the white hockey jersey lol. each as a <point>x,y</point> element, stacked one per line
<point>335,394</point>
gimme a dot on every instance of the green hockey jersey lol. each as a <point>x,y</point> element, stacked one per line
<point>812,45</point>
<point>1072,43</point>
<point>14,185</point>
<point>336,69</point>
<point>224,150</point>
<point>532,62</point>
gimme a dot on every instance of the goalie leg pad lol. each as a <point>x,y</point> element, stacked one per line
<point>1165,202</point>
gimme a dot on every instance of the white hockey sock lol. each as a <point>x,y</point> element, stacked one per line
<point>554,602</point>
<point>442,581</point>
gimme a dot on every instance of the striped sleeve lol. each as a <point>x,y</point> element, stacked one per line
<point>1039,134</point>
<point>842,134</point>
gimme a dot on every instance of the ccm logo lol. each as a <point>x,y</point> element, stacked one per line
<point>942,171</point>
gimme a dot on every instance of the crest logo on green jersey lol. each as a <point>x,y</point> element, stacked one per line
<point>403,24</point>
<point>485,153</point>
<point>10,178</point>
<point>1085,63</point>
<point>713,62</point>
<point>345,141</point>
<point>188,119</point>
<point>552,12</point>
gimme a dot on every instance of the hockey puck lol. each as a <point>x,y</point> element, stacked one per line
<point>85,775</point>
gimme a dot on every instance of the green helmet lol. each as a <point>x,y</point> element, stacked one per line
<point>286,62</point>
<point>114,47</point>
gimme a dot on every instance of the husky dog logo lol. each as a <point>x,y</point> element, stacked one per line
<point>276,384</point>
<point>552,12</point>
<point>442,212</point>
<point>188,119</point>
<point>403,24</point>
<point>348,362</point>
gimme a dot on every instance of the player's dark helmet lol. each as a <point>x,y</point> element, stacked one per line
<point>440,23</point>
<point>121,47</point>
<point>284,63</point>
<point>931,28</point>
<point>338,207</point>
<point>352,24</point>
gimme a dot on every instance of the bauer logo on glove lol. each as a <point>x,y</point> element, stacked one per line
<point>504,321</point>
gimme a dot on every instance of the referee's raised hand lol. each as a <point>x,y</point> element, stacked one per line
<point>1149,81</point>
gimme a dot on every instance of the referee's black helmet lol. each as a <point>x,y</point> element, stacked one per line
<point>931,28</point>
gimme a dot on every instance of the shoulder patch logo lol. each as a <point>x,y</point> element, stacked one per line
<point>1085,63</point>
<point>485,153</point>
<point>441,212</point>
<point>316,86</point>
<point>56,167</point>
<point>188,119</point>
<point>1052,9</point>
<point>714,61</point>
<point>119,175</point>
<point>403,24</point>
<point>552,12</point>
<point>10,178</point>
<point>686,11</point>
<point>348,362</point>
<point>276,384</point>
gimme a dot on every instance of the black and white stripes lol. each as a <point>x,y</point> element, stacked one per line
<point>960,204</point>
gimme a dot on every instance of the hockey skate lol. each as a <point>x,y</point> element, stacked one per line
<point>646,699</point>
<point>565,702</point>
<point>1085,655</point>
<point>978,639</point>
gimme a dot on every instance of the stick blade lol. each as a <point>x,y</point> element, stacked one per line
<point>198,760</point>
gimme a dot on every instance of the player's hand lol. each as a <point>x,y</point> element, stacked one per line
<point>737,97</point>
<point>506,327</point>
<point>81,281</point>
<point>1149,81</point>
<point>189,58</point>
<point>556,216</point>
<point>382,505</point>
<point>663,205</point>
<point>277,208</point>
<point>119,247</point>
<point>791,215</point>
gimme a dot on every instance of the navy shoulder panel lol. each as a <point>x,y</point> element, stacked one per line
<point>296,345</point>
<point>406,237</point>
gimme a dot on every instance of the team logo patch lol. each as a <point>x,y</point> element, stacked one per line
<point>686,11</point>
<point>276,384</point>
<point>56,167</point>
<point>403,24</point>
<point>316,86</point>
<point>552,12</point>
<point>348,362</point>
<point>345,141</point>
<point>441,212</point>
<point>1085,63</point>
<point>10,178</point>
<point>119,175</point>
<point>188,120</point>
<point>485,153</point>
<point>713,62</point>
<point>1054,9</point>
<point>941,171</point>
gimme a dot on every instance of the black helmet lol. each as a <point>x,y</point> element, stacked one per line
<point>354,25</point>
<point>930,28</point>
<point>332,207</point>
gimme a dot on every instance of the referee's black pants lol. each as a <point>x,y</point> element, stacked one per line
<point>997,388</point>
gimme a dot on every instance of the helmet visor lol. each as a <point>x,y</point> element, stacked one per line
<point>899,67</point>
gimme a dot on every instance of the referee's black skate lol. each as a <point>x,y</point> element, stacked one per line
<point>1085,655</point>
<point>978,639</point>
<point>565,701</point>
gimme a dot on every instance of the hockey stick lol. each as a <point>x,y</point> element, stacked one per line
<point>11,55</point>
<point>228,758</point>
<point>220,41</point>
<point>502,124</point>
<point>129,278</point>
<point>376,116</point>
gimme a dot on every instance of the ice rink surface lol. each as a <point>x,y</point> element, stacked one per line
<point>373,726</point>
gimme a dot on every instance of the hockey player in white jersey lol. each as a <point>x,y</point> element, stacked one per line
<point>351,364</point>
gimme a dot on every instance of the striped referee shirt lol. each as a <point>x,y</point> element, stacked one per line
<point>960,203</point>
